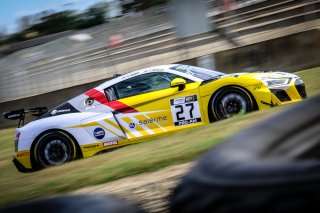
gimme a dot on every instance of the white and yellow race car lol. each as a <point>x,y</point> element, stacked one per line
<point>144,104</point>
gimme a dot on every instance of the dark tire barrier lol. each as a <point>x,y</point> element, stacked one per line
<point>74,204</point>
<point>273,166</point>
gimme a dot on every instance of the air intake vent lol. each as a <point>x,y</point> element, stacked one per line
<point>281,95</point>
<point>302,90</point>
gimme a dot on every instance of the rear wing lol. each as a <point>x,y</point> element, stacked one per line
<point>20,114</point>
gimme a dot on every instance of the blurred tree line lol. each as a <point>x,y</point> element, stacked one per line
<point>138,5</point>
<point>50,22</point>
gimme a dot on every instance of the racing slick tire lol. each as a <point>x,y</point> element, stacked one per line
<point>77,203</point>
<point>230,101</point>
<point>54,148</point>
<point>271,167</point>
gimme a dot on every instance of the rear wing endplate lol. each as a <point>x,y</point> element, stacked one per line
<point>20,114</point>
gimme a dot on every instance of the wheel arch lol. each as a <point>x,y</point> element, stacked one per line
<point>32,157</point>
<point>210,115</point>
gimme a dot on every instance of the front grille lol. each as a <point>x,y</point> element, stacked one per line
<point>302,90</point>
<point>281,95</point>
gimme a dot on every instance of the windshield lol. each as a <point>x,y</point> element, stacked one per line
<point>198,72</point>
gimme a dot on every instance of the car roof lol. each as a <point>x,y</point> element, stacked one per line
<point>161,68</point>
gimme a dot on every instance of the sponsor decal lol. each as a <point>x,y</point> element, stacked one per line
<point>183,100</point>
<point>132,125</point>
<point>158,119</point>
<point>55,111</point>
<point>23,154</point>
<point>189,98</point>
<point>186,122</point>
<point>91,146</point>
<point>110,143</point>
<point>178,101</point>
<point>62,109</point>
<point>14,115</point>
<point>99,133</point>
<point>140,72</point>
<point>90,107</point>
<point>130,75</point>
<point>153,70</point>
<point>257,86</point>
<point>185,110</point>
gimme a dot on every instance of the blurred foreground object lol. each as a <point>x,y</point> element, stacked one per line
<point>78,204</point>
<point>271,167</point>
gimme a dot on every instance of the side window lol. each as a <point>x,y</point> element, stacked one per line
<point>140,84</point>
<point>111,95</point>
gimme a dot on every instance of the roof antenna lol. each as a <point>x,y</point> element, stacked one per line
<point>114,41</point>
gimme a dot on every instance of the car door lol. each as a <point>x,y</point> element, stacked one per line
<point>146,105</point>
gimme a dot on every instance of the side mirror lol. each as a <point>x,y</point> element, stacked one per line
<point>178,82</point>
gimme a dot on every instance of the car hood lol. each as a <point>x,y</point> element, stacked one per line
<point>270,74</point>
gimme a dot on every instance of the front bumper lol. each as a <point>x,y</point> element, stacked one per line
<point>268,97</point>
<point>293,93</point>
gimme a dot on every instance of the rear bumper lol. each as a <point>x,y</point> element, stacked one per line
<point>20,167</point>
<point>22,161</point>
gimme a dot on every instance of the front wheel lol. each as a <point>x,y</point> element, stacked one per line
<point>54,148</point>
<point>230,101</point>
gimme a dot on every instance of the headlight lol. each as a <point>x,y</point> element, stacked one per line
<point>275,82</point>
<point>298,81</point>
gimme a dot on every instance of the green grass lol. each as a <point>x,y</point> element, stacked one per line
<point>152,155</point>
<point>311,77</point>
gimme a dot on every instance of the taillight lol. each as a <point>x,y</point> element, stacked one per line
<point>16,140</point>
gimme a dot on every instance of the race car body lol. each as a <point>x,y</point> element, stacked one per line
<point>144,104</point>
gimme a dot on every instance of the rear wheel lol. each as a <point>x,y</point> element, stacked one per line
<point>54,148</point>
<point>230,101</point>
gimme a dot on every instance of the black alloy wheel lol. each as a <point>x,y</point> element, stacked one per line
<point>54,148</point>
<point>230,101</point>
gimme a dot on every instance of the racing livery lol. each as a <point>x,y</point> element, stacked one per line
<point>144,104</point>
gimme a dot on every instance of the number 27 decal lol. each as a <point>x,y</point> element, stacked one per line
<point>185,110</point>
<point>180,113</point>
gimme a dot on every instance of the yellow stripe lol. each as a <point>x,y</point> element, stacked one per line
<point>129,133</point>
<point>152,126</point>
<point>113,124</point>
<point>138,128</point>
<point>110,131</point>
<point>94,123</point>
